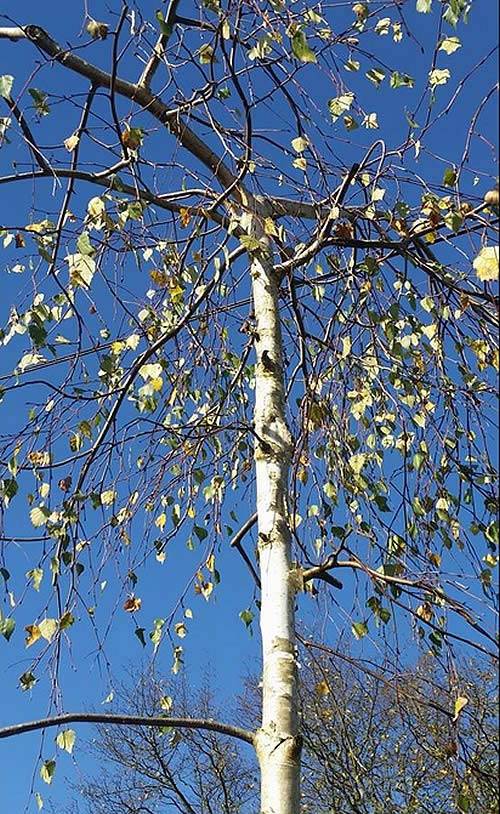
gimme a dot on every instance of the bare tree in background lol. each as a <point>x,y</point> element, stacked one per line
<point>375,742</point>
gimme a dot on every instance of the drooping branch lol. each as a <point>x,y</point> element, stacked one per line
<point>128,720</point>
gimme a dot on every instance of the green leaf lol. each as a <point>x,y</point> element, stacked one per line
<point>450,177</point>
<point>301,49</point>
<point>36,576</point>
<point>247,617</point>
<point>165,28</point>
<point>376,76</point>
<point>84,245</point>
<point>6,82</point>
<point>66,740</point>
<point>139,632</point>
<point>401,80</point>
<point>27,681</point>
<point>7,627</point>
<point>340,104</point>
<point>200,532</point>
<point>359,629</point>
<point>424,6</point>
<point>40,99</point>
<point>48,771</point>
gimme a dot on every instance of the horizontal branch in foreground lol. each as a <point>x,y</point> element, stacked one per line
<point>128,720</point>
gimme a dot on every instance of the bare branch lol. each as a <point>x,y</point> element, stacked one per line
<point>127,720</point>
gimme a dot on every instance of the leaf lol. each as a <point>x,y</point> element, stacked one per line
<point>251,244</point>
<point>439,76</point>
<point>7,627</point>
<point>359,629</point>
<point>84,245</point>
<point>6,82</point>
<point>301,49</point>
<point>206,55</point>
<point>376,76</point>
<point>246,617</point>
<point>132,604</point>
<point>450,44</point>
<point>450,177</point>
<point>132,137</point>
<point>166,29</point>
<point>340,104</point>
<point>39,515</point>
<point>66,740</point>
<point>370,121</point>
<point>108,497</point>
<point>139,632</point>
<point>424,6</point>
<point>47,771</point>
<point>27,681</point>
<point>39,800</point>
<point>67,619</point>
<point>486,263</point>
<point>322,689</point>
<point>40,99</point>
<point>166,703</point>
<point>97,29</point>
<point>460,703</point>
<point>71,142</point>
<point>48,629</point>
<point>300,143</point>
<point>81,269</point>
<point>96,208</point>
<point>36,576</point>
<point>401,80</point>
<point>180,629</point>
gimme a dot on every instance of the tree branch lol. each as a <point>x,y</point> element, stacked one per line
<point>128,720</point>
<point>141,95</point>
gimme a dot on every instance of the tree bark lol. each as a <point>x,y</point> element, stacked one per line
<point>278,740</point>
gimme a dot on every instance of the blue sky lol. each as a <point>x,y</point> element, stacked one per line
<point>216,637</point>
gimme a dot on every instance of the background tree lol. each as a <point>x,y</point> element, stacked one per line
<point>374,741</point>
<point>248,312</point>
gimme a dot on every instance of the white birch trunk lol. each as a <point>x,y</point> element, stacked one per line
<point>278,740</point>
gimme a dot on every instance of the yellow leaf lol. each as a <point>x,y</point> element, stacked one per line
<point>161,521</point>
<point>71,142</point>
<point>184,216</point>
<point>322,688</point>
<point>300,143</point>
<point>96,207</point>
<point>34,634</point>
<point>66,740</point>
<point>166,703</point>
<point>450,44</point>
<point>486,263</point>
<point>300,163</point>
<point>48,628</point>
<point>270,227</point>
<point>81,269</point>
<point>439,76</point>
<point>180,629</point>
<point>460,703</point>
<point>108,497</point>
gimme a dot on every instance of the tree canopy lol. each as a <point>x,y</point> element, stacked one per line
<point>250,312</point>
